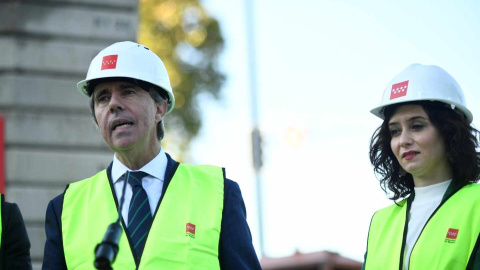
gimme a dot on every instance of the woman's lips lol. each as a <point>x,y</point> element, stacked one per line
<point>409,155</point>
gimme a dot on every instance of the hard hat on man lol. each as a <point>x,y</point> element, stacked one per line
<point>127,59</point>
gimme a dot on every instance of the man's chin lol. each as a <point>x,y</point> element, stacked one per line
<point>122,145</point>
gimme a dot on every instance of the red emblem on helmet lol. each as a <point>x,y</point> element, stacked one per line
<point>399,90</point>
<point>109,62</point>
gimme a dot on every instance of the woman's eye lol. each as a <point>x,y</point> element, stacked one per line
<point>417,126</point>
<point>394,132</point>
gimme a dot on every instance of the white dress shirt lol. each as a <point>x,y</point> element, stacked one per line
<point>153,183</point>
<point>426,200</point>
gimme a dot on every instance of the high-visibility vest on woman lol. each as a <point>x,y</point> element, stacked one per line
<point>185,231</point>
<point>448,240</point>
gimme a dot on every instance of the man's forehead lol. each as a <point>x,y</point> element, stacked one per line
<point>108,85</point>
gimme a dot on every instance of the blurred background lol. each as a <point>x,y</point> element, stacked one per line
<point>278,92</point>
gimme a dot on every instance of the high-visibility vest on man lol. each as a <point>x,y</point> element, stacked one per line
<point>184,234</point>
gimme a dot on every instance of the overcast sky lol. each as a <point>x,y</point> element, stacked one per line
<point>321,66</point>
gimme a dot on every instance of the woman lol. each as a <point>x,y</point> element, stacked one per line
<point>425,156</point>
<point>14,243</point>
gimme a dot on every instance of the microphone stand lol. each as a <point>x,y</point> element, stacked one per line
<point>106,251</point>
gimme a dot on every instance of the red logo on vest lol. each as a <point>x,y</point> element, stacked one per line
<point>399,90</point>
<point>451,235</point>
<point>190,230</point>
<point>109,62</point>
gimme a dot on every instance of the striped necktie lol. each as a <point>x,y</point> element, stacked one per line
<point>139,214</point>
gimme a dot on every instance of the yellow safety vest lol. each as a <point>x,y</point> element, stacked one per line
<point>446,242</point>
<point>194,197</point>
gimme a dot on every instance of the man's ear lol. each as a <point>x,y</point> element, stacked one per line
<point>161,108</point>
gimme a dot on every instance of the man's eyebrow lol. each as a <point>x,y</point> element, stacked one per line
<point>99,92</point>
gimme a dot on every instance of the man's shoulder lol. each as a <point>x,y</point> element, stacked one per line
<point>79,184</point>
<point>89,181</point>
<point>202,169</point>
<point>228,183</point>
<point>57,202</point>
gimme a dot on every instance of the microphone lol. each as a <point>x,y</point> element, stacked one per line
<point>106,251</point>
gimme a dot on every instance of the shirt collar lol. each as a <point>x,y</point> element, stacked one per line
<point>156,167</point>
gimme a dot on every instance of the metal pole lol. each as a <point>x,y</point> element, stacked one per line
<point>256,136</point>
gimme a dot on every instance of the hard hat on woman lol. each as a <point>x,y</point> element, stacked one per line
<point>423,82</point>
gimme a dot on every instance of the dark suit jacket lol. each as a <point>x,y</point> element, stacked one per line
<point>15,245</point>
<point>235,248</point>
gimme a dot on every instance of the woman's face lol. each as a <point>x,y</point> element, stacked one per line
<point>418,146</point>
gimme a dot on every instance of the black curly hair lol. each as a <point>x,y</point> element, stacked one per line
<point>461,141</point>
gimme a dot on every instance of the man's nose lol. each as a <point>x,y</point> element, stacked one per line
<point>115,103</point>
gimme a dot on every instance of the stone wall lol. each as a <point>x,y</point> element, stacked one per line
<point>50,140</point>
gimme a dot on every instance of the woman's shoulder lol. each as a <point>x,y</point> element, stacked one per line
<point>392,209</point>
<point>9,209</point>
<point>11,216</point>
<point>473,187</point>
<point>470,192</point>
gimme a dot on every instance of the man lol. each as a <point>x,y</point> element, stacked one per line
<point>14,242</point>
<point>175,216</point>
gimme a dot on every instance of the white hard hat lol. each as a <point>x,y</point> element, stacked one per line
<point>423,82</point>
<point>129,60</point>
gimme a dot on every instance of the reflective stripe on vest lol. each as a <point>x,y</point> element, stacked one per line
<point>185,232</point>
<point>446,242</point>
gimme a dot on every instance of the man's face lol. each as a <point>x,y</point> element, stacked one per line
<point>127,116</point>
